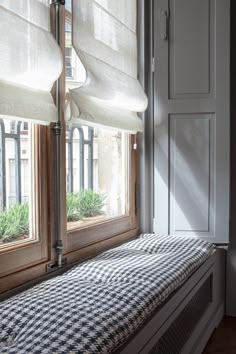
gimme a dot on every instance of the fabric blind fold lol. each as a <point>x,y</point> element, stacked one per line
<point>104,37</point>
<point>30,61</point>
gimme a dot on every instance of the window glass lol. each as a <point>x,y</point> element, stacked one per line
<point>15,182</point>
<point>97,170</point>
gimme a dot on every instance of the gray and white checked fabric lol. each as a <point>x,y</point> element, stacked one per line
<point>97,305</point>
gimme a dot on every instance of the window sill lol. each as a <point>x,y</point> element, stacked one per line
<point>25,278</point>
<point>90,221</point>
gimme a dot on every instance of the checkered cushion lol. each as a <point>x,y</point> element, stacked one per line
<point>97,305</point>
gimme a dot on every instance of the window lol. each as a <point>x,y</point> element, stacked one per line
<point>100,196</point>
<point>99,193</point>
<point>15,184</point>
<point>98,176</point>
<point>95,193</point>
<point>25,85</point>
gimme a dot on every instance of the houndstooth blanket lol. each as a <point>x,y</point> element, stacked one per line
<point>96,306</point>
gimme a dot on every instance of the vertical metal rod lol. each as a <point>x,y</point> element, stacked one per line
<point>18,163</point>
<point>81,150</point>
<point>70,161</point>
<point>57,130</point>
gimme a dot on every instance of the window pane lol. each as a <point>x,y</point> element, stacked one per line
<point>97,172</point>
<point>15,182</point>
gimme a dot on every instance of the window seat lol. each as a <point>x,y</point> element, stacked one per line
<point>98,305</point>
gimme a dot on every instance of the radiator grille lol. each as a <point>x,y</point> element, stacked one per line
<point>174,339</point>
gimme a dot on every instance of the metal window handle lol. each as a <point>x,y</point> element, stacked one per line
<point>164,25</point>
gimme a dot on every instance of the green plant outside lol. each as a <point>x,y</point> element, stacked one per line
<point>72,210</point>
<point>84,204</point>
<point>14,222</point>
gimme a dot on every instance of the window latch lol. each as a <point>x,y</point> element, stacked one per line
<point>54,265</point>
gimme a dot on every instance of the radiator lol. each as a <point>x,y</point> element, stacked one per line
<point>174,339</point>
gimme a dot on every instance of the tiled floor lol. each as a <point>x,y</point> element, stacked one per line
<point>223,340</point>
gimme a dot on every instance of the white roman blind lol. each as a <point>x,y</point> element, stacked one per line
<point>30,61</point>
<point>105,39</point>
